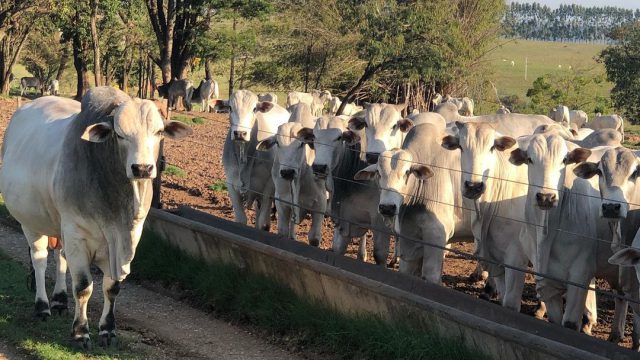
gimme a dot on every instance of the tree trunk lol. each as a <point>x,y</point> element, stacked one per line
<point>368,73</point>
<point>207,69</point>
<point>244,67</point>
<point>97,72</point>
<point>64,59</point>
<point>232,70</point>
<point>307,68</point>
<point>152,78</point>
<point>10,49</point>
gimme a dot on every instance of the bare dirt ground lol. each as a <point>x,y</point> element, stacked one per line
<point>200,156</point>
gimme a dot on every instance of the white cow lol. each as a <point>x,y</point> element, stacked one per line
<point>617,170</point>
<point>349,109</point>
<point>175,89</point>
<point>205,92</point>
<point>524,123</point>
<point>607,122</point>
<point>297,191</point>
<point>465,105</point>
<point>436,100</point>
<point>301,113</point>
<point>578,118</point>
<point>83,173</point>
<point>561,115</point>
<point>563,212</point>
<point>499,190</point>
<point>316,100</point>
<point>421,203</point>
<point>248,171</point>
<point>353,205</point>
<point>54,87</point>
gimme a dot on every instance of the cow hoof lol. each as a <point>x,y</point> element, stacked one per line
<point>82,342</point>
<point>42,310</point>
<point>393,262</point>
<point>59,302</point>
<point>108,338</point>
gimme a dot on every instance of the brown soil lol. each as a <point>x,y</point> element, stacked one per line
<point>200,156</point>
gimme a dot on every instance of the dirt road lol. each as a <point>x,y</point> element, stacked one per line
<point>158,325</point>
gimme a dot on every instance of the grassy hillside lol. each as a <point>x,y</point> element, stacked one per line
<point>543,58</point>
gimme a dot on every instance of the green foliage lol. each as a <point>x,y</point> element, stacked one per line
<point>197,120</point>
<point>574,89</point>
<point>258,300</point>
<point>47,340</point>
<point>173,170</point>
<point>219,186</point>
<point>622,62</point>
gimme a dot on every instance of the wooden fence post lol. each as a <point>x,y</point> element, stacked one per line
<point>156,201</point>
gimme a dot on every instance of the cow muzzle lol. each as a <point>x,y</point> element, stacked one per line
<point>473,190</point>
<point>546,201</point>
<point>387,209</point>
<point>142,171</point>
<point>287,174</point>
<point>611,211</point>
<point>372,158</point>
<point>320,171</point>
<point>240,135</point>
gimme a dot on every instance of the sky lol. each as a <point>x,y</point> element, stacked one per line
<point>629,4</point>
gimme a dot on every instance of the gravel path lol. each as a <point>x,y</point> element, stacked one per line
<point>159,325</point>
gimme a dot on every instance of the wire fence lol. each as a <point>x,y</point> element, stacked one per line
<point>401,237</point>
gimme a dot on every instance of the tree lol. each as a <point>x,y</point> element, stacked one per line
<point>622,64</point>
<point>44,57</point>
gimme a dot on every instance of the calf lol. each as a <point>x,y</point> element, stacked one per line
<point>297,191</point>
<point>175,89</point>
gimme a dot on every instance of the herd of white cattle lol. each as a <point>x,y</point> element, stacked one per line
<point>558,192</point>
<point>527,190</point>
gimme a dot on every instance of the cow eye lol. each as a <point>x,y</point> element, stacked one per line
<point>160,133</point>
<point>119,136</point>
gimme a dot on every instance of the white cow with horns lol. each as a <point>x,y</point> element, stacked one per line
<point>83,173</point>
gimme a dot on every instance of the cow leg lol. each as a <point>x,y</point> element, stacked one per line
<point>284,220</point>
<point>263,218</point>
<point>59,297</point>
<point>514,280</point>
<point>590,310</point>
<point>339,243</point>
<point>79,266</point>
<point>236,203</point>
<point>433,259</point>
<point>315,233</point>
<point>574,308</point>
<point>38,245</point>
<point>362,248</point>
<point>635,334</point>
<point>553,301</point>
<point>619,319</point>
<point>110,290</point>
<point>381,243</point>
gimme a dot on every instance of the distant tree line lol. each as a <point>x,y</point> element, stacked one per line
<point>566,23</point>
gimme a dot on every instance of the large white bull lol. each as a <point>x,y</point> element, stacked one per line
<point>83,173</point>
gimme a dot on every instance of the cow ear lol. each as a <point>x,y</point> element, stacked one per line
<point>366,105</point>
<point>264,106</point>
<point>451,142</point>
<point>421,172</point>
<point>459,125</point>
<point>357,123</point>
<point>626,257</point>
<point>404,125</point>
<point>574,132</point>
<point>97,133</point>
<point>503,143</point>
<point>577,155</point>
<point>587,170</point>
<point>367,173</point>
<point>350,138</point>
<point>266,144</point>
<point>519,157</point>
<point>306,135</point>
<point>176,130</point>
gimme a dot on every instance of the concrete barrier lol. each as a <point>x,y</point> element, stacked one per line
<point>352,286</point>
